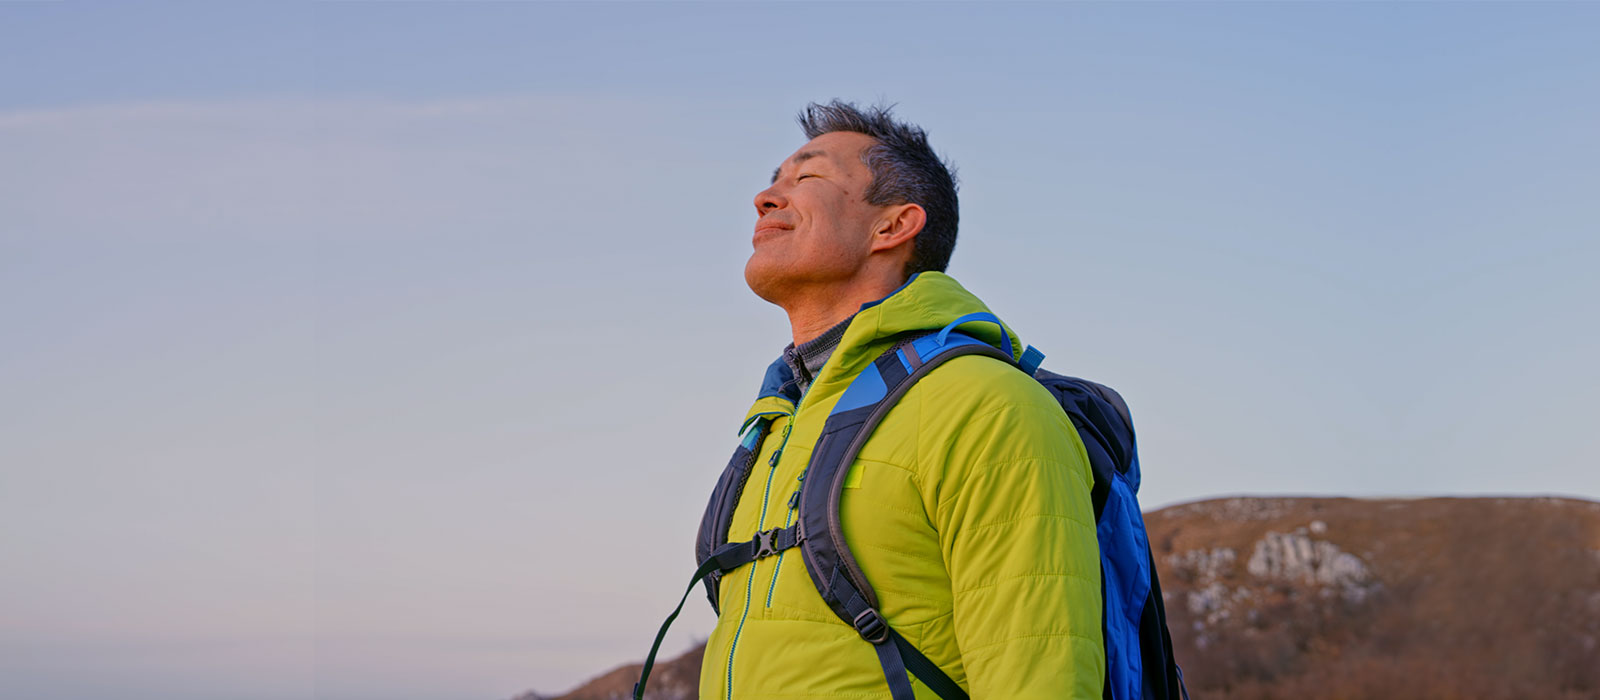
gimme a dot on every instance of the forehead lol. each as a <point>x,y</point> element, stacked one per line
<point>839,148</point>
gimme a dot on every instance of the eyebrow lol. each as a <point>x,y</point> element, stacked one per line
<point>799,158</point>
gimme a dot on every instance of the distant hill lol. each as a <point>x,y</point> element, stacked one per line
<point>678,679</point>
<point>1339,598</point>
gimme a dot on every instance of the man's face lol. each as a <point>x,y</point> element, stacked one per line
<point>814,226</point>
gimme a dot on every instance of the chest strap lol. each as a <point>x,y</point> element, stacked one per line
<point>722,560</point>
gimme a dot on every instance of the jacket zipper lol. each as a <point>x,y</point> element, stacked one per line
<point>788,516</point>
<point>749,582</point>
<point>788,519</point>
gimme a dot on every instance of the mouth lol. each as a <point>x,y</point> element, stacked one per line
<point>766,231</point>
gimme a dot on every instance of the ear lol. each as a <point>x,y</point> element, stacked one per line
<point>899,226</point>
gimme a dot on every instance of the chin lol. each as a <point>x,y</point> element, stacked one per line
<point>763,277</point>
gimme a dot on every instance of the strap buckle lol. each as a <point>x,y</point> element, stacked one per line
<point>766,543</point>
<point>872,628</point>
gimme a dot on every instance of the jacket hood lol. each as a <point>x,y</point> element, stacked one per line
<point>927,302</point>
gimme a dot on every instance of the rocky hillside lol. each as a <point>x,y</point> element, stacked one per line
<point>1344,598</point>
<point>1338,598</point>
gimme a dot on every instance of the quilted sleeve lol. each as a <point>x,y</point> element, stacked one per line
<point>1016,528</point>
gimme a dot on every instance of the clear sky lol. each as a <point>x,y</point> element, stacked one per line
<point>390,350</point>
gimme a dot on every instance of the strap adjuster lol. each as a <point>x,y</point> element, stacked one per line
<point>871,626</point>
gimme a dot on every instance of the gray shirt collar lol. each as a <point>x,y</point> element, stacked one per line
<point>807,359</point>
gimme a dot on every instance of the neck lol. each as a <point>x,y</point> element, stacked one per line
<point>811,314</point>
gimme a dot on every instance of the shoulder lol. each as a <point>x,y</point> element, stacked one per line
<point>971,386</point>
<point>983,415</point>
<point>975,409</point>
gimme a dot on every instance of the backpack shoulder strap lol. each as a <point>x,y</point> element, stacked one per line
<point>827,556</point>
<point>718,517</point>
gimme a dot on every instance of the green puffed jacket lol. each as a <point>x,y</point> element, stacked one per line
<point>968,509</point>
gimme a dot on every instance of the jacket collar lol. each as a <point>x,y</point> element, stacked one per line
<point>925,303</point>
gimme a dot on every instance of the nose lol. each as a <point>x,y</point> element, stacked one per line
<point>769,199</point>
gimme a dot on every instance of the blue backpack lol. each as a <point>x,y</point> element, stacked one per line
<point>1139,661</point>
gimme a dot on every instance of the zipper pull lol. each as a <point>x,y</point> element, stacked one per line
<point>794,501</point>
<point>784,443</point>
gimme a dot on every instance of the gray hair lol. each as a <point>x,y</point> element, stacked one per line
<point>905,170</point>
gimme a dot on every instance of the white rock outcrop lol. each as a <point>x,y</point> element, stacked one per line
<point>1204,565</point>
<point>1295,557</point>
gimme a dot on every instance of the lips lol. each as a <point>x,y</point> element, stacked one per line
<point>765,229</point>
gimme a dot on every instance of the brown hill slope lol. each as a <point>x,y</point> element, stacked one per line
<point>1339,598</point>
<point>1345,598</point>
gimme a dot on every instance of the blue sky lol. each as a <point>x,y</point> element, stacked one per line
<point>390,350</point>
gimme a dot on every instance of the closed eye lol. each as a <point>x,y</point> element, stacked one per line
<point>804,176</point>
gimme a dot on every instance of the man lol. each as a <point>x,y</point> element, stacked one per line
<point>968,508</point>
